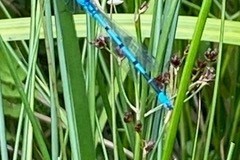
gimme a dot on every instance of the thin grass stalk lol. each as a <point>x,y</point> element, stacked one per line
<point>63,154</point>
<point>5,11</point>
<point>102,122</point>
<point>154,39</point>
<point>162,43</point>
<point>34,32</point>
<point>186,123</point>
<point>101,138</point>
<point>159,116</point>
<point>139,117</point>
<point>168,9</point>
<point>113,106</point>
<point>27,141</point>
<point>197,131</point>
<point>107,106</point>
<point>18,134</point>
<point>49,42</point>
<point>157,151</point>
<point>4,152</point>
<point>137,150</point>
<point>74,140</point>
<point>235,123</point>
<point>40,86</point>
<point>182,135</point>
<point>143,92</point>
<point>171,133</point>
<point>217,83</point>
<point>171,38</point>
<point>169,47</point>
<point>112,103</point>
<point>40,80</point>
<point>104,67</point>
<point>230,152</point>
<point>124,107</point>
<point>142,105</point>
<point>196,7</point>
<point>138,21</point>
<point>159,139</point>
<point>112,97</point>
<point>91,68</point>
<point>155,27</point>
<point>32,118</point>
<point>226,61</point>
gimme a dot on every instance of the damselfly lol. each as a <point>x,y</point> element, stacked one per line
<point>125,45</point>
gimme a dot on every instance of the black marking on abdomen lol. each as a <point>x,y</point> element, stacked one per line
<point>121,46</point>
<point>107,28</point>
<point>135,62</point>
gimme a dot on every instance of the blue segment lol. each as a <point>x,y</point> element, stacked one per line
<point>163,99</point>
<point>128,47</point>
<point>140,68</point>
<point>129,55</point>
<point>82,2</point>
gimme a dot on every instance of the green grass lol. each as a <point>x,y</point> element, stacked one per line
<point>61,97</point>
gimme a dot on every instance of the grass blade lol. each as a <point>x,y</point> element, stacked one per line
<point>4,153</point>
<point>35,123</point>
<point>49,42</point>
<point>78,113</point>
<point>217,83</point>
<point>185,79</point>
